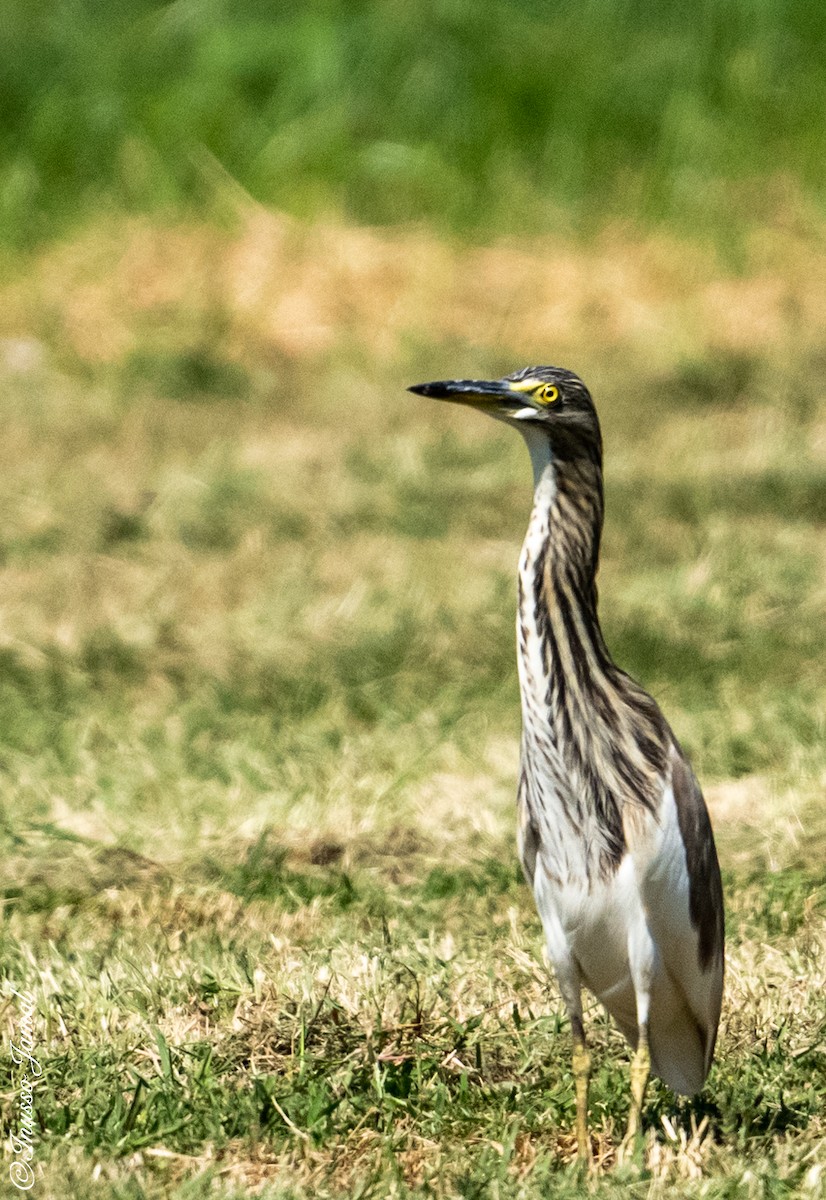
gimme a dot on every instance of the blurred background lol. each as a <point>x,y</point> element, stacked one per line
<point>523,117</point>
<point>232,233</point>
<point>255,599</point>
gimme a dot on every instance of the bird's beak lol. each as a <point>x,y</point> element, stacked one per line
<point>498,397</point>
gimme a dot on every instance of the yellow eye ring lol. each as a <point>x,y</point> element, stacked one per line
<point>547,394</point>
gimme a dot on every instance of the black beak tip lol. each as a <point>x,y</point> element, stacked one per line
<point>465,391</point>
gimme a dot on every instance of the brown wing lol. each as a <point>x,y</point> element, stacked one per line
<point>684,902</point>
<point>705,888</point>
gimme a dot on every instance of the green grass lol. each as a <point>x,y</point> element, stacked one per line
<point>259,731</point>
<point>350,1033</point>
<point>520,116</point>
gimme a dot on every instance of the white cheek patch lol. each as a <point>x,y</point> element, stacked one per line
<point>523,414</point>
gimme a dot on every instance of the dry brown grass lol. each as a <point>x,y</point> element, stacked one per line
<point>257,661</point>
<point>301,292</point>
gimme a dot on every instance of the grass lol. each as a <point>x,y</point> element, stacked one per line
<point>259,716</point>
<point>560,116</point>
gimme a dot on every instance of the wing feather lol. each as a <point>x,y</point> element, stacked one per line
<point>684,903</point>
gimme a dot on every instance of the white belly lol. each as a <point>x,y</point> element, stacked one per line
<point>592,930</point>
<point>601,934</point>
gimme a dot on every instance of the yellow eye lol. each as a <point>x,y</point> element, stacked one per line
<point>547,393</point>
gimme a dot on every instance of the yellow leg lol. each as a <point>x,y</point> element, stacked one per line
<point>582,1071</point>
<point>640,1070</point>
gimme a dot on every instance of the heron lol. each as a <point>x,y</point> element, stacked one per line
<point>613,834</point>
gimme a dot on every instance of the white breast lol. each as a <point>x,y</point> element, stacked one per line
<point>630,940</point>
<point>533,681</point>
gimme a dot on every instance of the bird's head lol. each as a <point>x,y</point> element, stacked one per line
<point>535,399</point>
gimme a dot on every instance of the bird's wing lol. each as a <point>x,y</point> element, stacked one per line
<point>705,885</point>
<point>683,897</point>
<point>527,837</point>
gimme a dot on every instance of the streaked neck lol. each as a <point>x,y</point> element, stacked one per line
<point>607,733</point>
<point>568,507</point>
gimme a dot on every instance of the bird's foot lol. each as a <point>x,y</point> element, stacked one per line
<point>630,1150</point>
<point>630,1147</point>
<point>582,1070</point>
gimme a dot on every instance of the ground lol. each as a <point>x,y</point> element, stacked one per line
<point>259,714</point>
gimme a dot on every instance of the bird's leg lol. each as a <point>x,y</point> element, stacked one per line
<point>570,986</point>
<point>582,1070</point>
<point>642,958</point>
<point>640,1070</point>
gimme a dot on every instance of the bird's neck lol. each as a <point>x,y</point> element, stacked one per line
<point>578,708</point>
<point>561,549</point>
<point>563,661</point>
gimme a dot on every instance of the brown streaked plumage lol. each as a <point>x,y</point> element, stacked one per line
<point>613,834</point>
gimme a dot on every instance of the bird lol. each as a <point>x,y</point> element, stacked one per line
<point>613,834</point>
